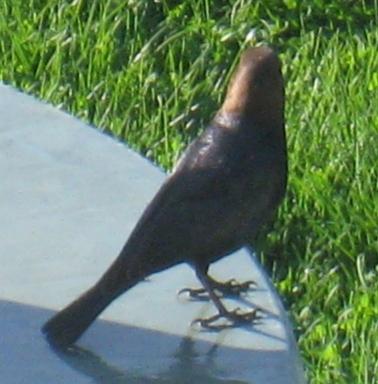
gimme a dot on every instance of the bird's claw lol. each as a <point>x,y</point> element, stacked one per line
<point>207,323</point>
<point>199,293</point>
<point>233,287</point>
<point>235,317</point>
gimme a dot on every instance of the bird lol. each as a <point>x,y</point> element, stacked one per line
<point>228,183</point>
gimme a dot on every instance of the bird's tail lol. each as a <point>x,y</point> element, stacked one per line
<point>68,325</point>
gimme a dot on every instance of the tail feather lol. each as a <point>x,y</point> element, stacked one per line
<point>68,325</point>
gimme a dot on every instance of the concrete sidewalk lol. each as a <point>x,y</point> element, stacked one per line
<point>69,197</point>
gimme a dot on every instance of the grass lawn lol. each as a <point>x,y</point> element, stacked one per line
<point>153,73</point>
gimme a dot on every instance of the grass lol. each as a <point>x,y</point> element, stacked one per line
<point>153,73</point>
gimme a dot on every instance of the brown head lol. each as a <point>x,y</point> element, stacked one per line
<point>256,90</point>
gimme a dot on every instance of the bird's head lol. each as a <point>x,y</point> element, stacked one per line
<point>256,90</point>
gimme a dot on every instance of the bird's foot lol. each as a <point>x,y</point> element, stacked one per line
<point>229,288</point>
<point>233,287</point>
<point>195,293</point>
<point>235,318</point>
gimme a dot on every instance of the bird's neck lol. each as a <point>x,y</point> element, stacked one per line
<point>236,120</point>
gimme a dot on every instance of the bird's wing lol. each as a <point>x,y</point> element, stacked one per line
<point>197,200</point>
<point>205,173</point>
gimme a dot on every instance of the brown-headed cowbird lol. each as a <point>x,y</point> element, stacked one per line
<point>227,184</point>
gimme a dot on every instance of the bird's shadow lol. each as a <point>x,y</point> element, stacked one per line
<point>114,353</point>
<point>187,366</point>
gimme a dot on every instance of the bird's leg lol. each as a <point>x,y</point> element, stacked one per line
<point>235,317</point>
<point>228,288</point>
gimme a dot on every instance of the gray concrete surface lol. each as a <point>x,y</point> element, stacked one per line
<point>69,196</point>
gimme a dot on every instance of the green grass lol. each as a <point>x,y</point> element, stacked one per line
<point>154,73</point>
